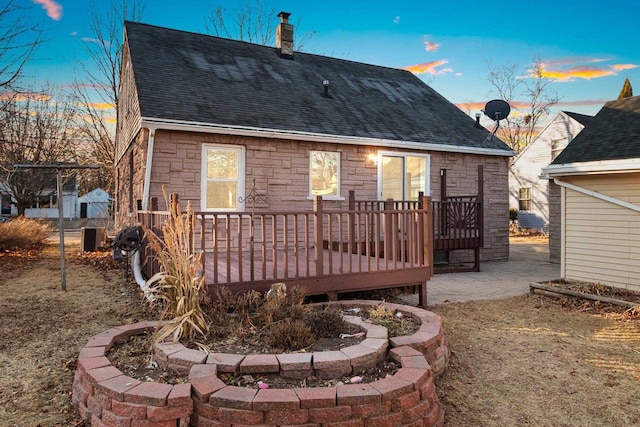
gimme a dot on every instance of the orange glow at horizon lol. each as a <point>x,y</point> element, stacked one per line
<point>24,96</point>
<point>586,72</point>
<point>101,105</point>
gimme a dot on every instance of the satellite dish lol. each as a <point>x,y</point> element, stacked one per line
<point>497,109</point>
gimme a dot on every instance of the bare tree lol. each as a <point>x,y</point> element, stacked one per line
<point>530,99</point>
<point>18,40</point>
<point>34,129</point>
<point>99,94</point>
<point>251,22</point>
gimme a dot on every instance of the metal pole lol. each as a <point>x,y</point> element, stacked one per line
<point>61,229</point>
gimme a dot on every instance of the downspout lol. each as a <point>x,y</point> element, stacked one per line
<point>147,171</point>
<point>597,195</point>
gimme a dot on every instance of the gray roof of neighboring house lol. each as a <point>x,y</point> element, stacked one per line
<point>583,119</point>
<point>613,134</point>
<point>192,77</point>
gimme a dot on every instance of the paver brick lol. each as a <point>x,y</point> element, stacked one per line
<point>317,397</point>
<point>180,395</point>
<point>226,362</point>
<point>149,393</point>
<point>357,394</point>
<point>259,363</point>
<point>390,388</point>
<point>275,399</point>
<point>203,388</point>
<point>294,361</point>
<point>116,387</point>
<point>233,397</point>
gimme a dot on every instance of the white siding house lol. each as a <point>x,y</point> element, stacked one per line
<point>599,179</point>
<point>528,193</point>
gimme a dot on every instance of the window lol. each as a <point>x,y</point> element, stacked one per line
<point>524,201</point>
<point>222,178</point>
<point>324,173</point>
<point>403,176</point>
<point>557,145</point>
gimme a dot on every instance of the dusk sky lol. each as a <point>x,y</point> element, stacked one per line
<point>587,47</point>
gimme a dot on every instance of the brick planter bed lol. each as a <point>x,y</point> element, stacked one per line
<point>105,396</point>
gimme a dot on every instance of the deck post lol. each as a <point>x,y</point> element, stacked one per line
<point>319,219</point>
<point>428,233</point>
<point>352,218</point>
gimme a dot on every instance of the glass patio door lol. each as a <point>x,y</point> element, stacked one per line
<point>403,176</point>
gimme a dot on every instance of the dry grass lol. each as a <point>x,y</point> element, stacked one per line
<point>520,361</point>
<point>179,284</point>
<point>23,233</point>
<point>530,361</point>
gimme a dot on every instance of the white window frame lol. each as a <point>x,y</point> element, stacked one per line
<point>521,199</point>
<point>241,151</point>
<point>427,184</point>
<point>333,197</point>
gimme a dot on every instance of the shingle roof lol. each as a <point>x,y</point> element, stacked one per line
<point>583,119</point>
<point>198,78</point>
<point>613,134</point>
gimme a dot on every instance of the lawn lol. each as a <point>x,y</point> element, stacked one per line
<point>529,360</point>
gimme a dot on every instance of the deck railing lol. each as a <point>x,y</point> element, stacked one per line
<point>458,223</point>
<point>240,247</point>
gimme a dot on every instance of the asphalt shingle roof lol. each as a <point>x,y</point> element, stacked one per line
<point>583,119</point>
<point>198,78</point>
<point>613,134</point>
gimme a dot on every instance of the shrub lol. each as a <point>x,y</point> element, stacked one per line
<point>290,335</point>
<point>513,214</point>
<point>23,233</point>
<point>326,323</point>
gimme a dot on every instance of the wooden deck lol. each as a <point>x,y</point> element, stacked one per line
<point>326,251</point>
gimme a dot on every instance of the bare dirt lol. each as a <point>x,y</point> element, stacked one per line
<point>529,360</point>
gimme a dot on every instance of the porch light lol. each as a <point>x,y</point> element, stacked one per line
<point>372,159</point>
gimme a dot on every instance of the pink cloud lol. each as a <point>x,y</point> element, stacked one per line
<point>54,10</point>
<point>428,67</point>
<point>430,46</point>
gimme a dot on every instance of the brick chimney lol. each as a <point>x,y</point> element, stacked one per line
<point>284,36</point>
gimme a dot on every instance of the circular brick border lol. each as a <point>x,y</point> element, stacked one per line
<point>105,396</point>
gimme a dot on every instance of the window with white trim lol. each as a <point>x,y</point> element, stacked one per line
<point>324,174</point>
<point>223,170</point>
<point>524,201</point>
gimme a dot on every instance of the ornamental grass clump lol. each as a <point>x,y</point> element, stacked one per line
<point>179,283</point>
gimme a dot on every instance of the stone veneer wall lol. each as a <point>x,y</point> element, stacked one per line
<point>105,396</point>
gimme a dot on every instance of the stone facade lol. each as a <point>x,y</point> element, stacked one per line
<point>281,171</point>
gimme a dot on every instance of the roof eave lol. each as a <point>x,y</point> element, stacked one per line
<point>167,124</point>
<point>593,168</point>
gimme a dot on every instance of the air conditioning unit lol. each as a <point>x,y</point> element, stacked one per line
<point>91,238</point>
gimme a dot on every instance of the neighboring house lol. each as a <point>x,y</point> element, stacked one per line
<point>47,204</point>
<point>94,204</point>
<point>598,179</point>
<point>528,192</point>
<point>206,117</point>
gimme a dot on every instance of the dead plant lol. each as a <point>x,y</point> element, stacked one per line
<point>179,283</point>
<point>290,335</point>
<point>23,233</point>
